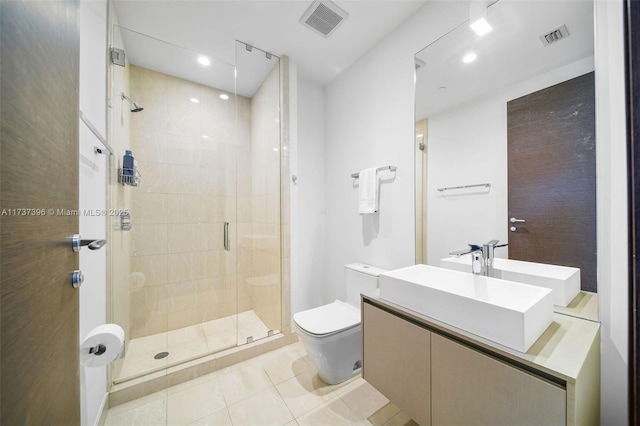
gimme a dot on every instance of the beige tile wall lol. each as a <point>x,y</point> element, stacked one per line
<point>265,281</point>
<point>180,273</point>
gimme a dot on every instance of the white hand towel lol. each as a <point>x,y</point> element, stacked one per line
<point>368,191</point>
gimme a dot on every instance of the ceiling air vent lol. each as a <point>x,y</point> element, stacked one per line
<point>323,16</point>
<point>554,36</point>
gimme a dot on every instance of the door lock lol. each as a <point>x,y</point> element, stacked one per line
<point>77,278</point>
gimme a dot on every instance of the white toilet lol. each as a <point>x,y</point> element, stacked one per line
<point>331,333</point>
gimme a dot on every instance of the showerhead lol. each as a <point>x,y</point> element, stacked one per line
<point>135,106</point>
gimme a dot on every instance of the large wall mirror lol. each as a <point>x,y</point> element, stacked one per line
<point>505,141</point>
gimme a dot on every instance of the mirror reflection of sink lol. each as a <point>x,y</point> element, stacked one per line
<point>509,313</point>
<point>564,281</point>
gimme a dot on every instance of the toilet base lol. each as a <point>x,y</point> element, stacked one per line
<point>337,357</point>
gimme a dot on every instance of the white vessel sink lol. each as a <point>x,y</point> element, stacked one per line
<point>506,312</point>
<point>564,281</point>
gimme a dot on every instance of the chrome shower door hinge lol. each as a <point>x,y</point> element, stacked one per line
<point>117,56</point>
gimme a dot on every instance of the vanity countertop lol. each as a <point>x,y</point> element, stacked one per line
<point>561,350</point>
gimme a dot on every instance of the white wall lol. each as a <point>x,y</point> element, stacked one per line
<point>92,195</point>
<point>613,284</point>
<point>308,249</point>
<point>370,122</point>
<point>468,145</point>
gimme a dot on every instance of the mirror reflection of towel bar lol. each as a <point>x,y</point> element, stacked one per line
<point>390,168</point>
<point>487,185</point>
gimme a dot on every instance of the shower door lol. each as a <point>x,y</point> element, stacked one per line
<point>259,198</point>
<point>195,242</point>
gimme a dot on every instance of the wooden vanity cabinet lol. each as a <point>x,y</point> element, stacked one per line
<point>438,377</point>
<point>470,388</point>
<point>396,361</point>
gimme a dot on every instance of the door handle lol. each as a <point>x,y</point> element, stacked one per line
<point>227,246</point>
<point>514,220</point>
<point>77,242</point>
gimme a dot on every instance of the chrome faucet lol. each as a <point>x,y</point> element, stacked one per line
<point>481,257</point>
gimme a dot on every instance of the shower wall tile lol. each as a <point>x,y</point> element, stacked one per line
<point>180,319</point>
<point>243,133</point>
<point>245,209</point>
<point>183,119</point>
<point>153,85</point>
<point>273,176</point>
<point>214,262</point>
<point>212,154</point>
<point>273,208</point>
<point>182,149</point>
<point>149,146</point>
<point>154,176</point>
<point>264,282</point>
<point>149,270</point>
<point>244,108</point>
<point>181,237</point>
<point>182,267</point>
<point>154,118</point>
<point>213,182</point>
<point>152,324</point>
<point>244,183</point>
<point>181,296</point>
<point>216,128</point>
<point>149,239</point>
<point>180,92</point>
<point>182,179</point>
<point>230,209</point>
<point>259,181</point>
<point>149,208</point>
<point>220,108</point>
<point>210,236</point>
<point>149,301</point>
<point>214,209</point>
<point>184,208</point>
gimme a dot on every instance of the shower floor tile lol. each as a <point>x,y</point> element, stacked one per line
<point>188,343</point>
<point>277,388</point>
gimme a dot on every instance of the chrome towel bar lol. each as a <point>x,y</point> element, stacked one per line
<point>390,168</point>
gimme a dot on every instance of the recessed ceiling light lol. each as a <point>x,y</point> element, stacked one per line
<point>224,96</point>
<point>203,60</point>
<point>478,17</point>
<point>481,27</point>
<point>194,100</point>
<point>275,149</point>
<point>205,137</point>
<point>469,57</point>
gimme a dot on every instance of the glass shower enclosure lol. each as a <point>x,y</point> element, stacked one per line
<point>195,250</point>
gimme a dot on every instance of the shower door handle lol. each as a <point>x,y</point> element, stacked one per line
<point>227,247</point>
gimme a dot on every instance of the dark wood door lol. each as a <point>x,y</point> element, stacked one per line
<point>552,177</point>
<point>39,364</point>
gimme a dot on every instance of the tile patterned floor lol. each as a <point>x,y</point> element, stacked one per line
<point>188,343</point>
<point>278,388</point>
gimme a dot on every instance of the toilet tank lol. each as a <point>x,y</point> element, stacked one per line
<point>360,278</point>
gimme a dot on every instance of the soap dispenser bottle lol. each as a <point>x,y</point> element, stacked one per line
<point>127,163</point>
<point>476,262</point>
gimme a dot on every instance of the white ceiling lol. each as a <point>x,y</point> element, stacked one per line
<point>511,53</point>
<point>212,27</point>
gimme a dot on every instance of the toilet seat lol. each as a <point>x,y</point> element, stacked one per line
<point>328,319</point>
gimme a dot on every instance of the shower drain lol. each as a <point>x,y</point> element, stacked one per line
<point>161,355</point>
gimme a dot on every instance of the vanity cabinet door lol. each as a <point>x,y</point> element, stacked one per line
<point>396,361</point>
<point>471,388</point>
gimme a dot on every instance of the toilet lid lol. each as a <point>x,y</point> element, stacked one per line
<point>328,319</point>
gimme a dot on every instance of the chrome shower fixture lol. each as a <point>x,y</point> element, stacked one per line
<point>135,106</point>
